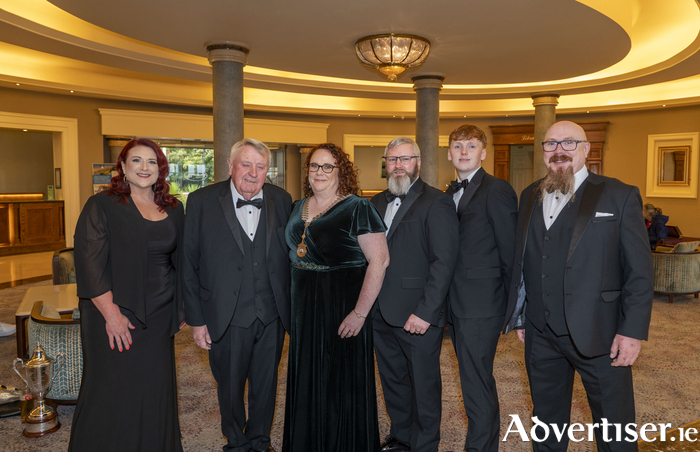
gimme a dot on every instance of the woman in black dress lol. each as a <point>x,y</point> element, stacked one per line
<point>127,244</point>
<point>339,255</point>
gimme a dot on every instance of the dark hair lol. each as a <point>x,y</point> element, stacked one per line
<point>347,176</point>
<point>467,132</point>
<point>161,189</point>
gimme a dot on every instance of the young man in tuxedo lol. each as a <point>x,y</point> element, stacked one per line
<point>581,293</point>
<point>487,209</point>
<point>421,235</point>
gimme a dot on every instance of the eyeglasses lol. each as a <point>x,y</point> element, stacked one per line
<point>567,145</point>
<point>405,159</point>
<point>327,168</point>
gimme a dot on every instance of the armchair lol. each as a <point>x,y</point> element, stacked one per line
<point>58,334</point>
<point>63,266</point>
<point>677,273</point>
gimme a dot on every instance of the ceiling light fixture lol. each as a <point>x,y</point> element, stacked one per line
<point>392,53</point>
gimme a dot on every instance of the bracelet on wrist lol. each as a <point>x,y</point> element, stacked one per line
<point>359,316</point>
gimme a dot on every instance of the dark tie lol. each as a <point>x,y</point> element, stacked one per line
<point>390,197</point>
<point>253,202</point>
<point>456,186</point>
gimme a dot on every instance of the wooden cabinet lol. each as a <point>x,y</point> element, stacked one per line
<point>29,227</point>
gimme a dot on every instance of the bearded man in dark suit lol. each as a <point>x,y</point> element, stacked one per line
<point>421,235</point>
<point>487,208</point>
<point>236,285</point>
<point>582,290</point>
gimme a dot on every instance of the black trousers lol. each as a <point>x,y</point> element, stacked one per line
<point>475,342</point>
<point>551,362</point>
<point>409,368</point>
<point>251,354</point>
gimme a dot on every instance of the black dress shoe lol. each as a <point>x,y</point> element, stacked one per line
<point>393,445</point>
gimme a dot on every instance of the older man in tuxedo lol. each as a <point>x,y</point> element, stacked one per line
<point>236,284</point>
<point>582,291</point>
<point>421,235</point>
<point>487,208</point>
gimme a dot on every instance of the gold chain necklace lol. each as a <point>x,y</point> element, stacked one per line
<point>301,248</point>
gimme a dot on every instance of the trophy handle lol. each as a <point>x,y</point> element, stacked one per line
<point>57,366</point>
<point>14,365</point>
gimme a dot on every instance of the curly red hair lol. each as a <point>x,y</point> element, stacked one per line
<point>161,189</point>
<point>347,176</point>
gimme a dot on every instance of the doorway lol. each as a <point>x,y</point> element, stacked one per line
<point>521,164</point>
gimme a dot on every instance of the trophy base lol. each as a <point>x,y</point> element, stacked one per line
<point>41,427</point>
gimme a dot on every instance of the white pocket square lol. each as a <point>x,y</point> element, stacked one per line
<point>604,214</point>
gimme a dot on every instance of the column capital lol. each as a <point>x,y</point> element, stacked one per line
<point>545,99</point>
<point>428,81</point>
<point>227,51</point>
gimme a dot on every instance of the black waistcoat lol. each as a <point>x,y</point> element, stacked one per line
<point>544,266</point>
<point>256,299</point>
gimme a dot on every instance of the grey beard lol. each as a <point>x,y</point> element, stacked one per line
<point>564,181</point>
<point>398,186</point>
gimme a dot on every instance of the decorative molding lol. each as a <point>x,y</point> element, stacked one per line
<point>66,157</point>
<point>653,189</point>
<point>352,140</point>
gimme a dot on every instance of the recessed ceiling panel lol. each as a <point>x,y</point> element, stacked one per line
<point>473,42</point>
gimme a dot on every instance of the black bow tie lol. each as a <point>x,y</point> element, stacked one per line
<point>258,202</point>
<point>390,197</point>
<point>456,186</point>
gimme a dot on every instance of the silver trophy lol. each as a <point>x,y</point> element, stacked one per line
<point>39,373</point>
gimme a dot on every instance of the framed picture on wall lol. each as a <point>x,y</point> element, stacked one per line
<point>57,178</point>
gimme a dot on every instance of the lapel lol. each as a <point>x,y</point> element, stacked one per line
<point>589,199</point>
<point>271,215</point>
<point>470,189</point>
<point>381,203</point>
<point>413,194</point>
<point>226,201</point>
<point>527,215</point>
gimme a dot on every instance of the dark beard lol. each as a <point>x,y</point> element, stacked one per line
<point>563,181</point>
<point>400,186</point>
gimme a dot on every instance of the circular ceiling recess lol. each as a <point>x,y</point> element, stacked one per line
<point>473,42</point>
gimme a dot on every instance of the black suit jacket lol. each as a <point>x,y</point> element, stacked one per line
<point>481,280</point>
<point>608,280</point>
<point>213,256</point>
<point>422,244</point>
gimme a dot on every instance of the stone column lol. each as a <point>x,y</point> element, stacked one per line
<point>116,144</point>
<point>427,89</point>
<point>545,115</point>
<point>227,60</point>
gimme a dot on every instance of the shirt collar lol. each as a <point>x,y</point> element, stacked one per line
<point>236,195</point>
<point>470,177</point>
<point>579,177</point>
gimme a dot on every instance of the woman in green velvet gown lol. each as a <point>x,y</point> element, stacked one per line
<point>339,255</point>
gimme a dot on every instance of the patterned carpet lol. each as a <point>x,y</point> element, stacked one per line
<point>667,375</point>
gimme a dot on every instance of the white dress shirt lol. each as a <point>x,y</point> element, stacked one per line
<point>392,208</point>
<point>248,216</point>
<point>554,203</point>
<point>458,195</point>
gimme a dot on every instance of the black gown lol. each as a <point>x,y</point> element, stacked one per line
<point>127,399</point>
<point>331,393</point>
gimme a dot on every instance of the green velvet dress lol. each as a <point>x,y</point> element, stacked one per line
<point>331,394</point>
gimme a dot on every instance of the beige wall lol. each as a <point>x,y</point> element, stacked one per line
<point>625,154</point>
<point>26,162</point>
<point>90,140</point>
<point>624,151</point>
